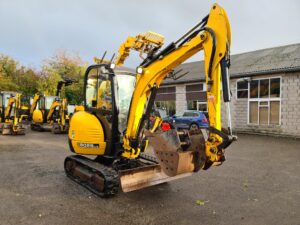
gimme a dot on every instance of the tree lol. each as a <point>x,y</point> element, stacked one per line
<point>60,67</point>
<point>8,73</point>
<point>17,78</point>
<point>63,65</point>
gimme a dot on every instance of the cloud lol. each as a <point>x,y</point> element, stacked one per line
<point>33,30</point>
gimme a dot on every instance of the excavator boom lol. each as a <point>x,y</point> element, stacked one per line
<point>212,35</point>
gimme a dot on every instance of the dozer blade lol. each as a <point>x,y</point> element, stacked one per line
<point>105,181</point>
<point>8,129</point>
<point>138,178</point>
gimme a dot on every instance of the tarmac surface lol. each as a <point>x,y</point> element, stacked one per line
<point>258,184</point>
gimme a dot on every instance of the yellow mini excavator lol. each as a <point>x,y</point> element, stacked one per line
<point>49,113</point>
<point>11,116</point>
<point>118,101</point>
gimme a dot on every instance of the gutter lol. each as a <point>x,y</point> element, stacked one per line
<point>243,74</point>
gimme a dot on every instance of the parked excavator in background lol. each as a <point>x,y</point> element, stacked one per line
<point>10,114</point>
<point>118,102</point>
<point>25,108</point>
<point>50,113</point>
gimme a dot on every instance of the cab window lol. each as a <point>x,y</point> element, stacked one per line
<point>98,89</point>
<point>49,101</point>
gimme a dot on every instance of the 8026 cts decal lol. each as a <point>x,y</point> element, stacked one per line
<point>88,145</point>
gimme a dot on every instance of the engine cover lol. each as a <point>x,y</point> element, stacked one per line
<point>86,134</point>
<point>37,116</point>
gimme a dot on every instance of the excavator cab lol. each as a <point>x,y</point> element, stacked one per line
<point>108,94</point>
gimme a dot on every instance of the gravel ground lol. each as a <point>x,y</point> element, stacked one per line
<point>258,184</point>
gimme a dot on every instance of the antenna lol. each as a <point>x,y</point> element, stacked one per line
<point>176,78</point>
<point>112,58</point>
<point>103,57</point>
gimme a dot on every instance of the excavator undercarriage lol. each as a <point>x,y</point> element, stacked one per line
<point>10,129</point>
<point>106,180</point>
<point>160,164</point>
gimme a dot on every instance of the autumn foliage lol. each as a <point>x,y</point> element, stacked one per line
<point>28,81</point>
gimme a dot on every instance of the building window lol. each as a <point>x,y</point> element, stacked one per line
<point>165,100</point>
<point>196,97</point>
<point>197,105</point>
<point>264,101</point>
<point>168,106</point>
<point>242,89</point>
<point>166,94</point>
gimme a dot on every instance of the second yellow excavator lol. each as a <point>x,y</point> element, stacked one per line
<point>49,113</point>
<point>114,125</point>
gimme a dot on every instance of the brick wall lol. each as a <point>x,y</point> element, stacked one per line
<point>290,109</point>
<point>290,104</point>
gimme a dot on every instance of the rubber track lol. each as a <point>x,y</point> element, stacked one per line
<point>111,177</point>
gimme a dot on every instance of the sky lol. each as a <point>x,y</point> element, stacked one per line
<point>34,30</point>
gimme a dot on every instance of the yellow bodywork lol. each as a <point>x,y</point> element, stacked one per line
<point>79,108</point>
<point>52,109</point>
<point>34,103</point>
<point>88,137</point>
<point>143,43</point>
<point>17,118</point>
<point>37,116</point>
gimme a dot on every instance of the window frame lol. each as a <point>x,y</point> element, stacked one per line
<point>202,103</point>
<point>246,79</point>
<point>167,86</point>
<point>197,105</point>
<point>196,83</point>
<point>268,100</point>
